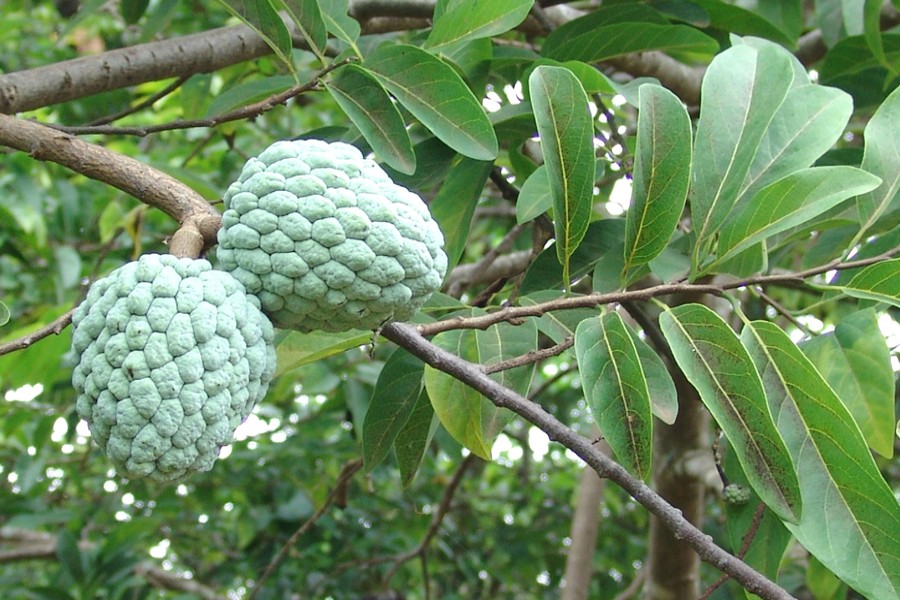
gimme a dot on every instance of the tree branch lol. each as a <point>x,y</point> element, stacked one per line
<point>409,338</point>
<point>53,328</point>
<point>512,313</point>
<point>199,221</point>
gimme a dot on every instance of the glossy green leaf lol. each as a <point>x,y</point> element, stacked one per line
<point>455,203</point>
<point>879,282</point>
<point>715,362</point>
<point>742,90</point>
<point>308,18</point>
<point>851,66</point>
<point>811,120</point>
<point>433,92</point>
<point>786,14</point>
<point>622,29</point>
<point>295,349</point>
<point>413,440</point>
<point>662,171</point>
<point>4,314</point>
<point>469,417</point>
<point>856,362</point>
<point>603,237</point>
<point>566,131</point>
<point>616,390</point>
<point>872,31</point>
<point>396,393</point>
<point>789,202</point>
<point>373,112</point>
<point>535,197</point>
<point>340,24</point>
<point>663,395</point>
<point>474,19</point>
<point>741,21</point>
<point>248,93</point>
<point>850,519</point>
<point>882,158</point>
<point>262,17</point>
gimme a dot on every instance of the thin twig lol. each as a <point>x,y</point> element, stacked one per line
<point>530,357</point>
<point>54,327</point>
<point>245,112</point>
<point>742,552</point>
<point>346,473</point>
<point>436,520</point>
<point>146,102</point>
<point>784,312</point>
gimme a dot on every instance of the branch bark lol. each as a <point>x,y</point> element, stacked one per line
<point>409,338</point>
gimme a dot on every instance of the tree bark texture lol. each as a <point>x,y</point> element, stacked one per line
<point>585,527</point>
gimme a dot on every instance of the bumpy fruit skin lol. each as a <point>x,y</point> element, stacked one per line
<point>736,494</point>
<point>171,356</point>
<point>327,241</point>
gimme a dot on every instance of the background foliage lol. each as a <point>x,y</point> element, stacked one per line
<point>730,212</point>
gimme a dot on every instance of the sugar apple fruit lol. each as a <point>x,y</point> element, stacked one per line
<point>171,356</point>
<point>327,241</point>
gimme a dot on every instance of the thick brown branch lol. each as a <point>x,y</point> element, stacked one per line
<point>198,219</point>
<point>410,339</point>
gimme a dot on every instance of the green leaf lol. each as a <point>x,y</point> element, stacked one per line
<point>396,393</point>
<point>850,519</point>
<point>133,10</point>
<point>373,112</point>
<point>340,24</point>
<point>474,19</point>
<point>70,557</point>
<point>4,314</point>
<point>111,220</point>
<point>455,203</point>
<point>432,91</point>
<point>662,173</point>
<point>566,130</point>
<point>663,395</point>
<point>413,440</point>
<point>535,197</point>
<point>851,66</point>
<point>248,93</point>
<point>295,349</point>
<point>68,265</point>
<point>882,158</point>
<point>856,362</point>
<point>616,390</point>
<point>742,90</point>
<point>603,238</point>
<point>872,32</point>
<point>262,18</point>
<point>807,125</point>
<point>617,30</point>
<point>715,363</point>
<point>308,18</point>
<point>789,202</point>
<point>879,282</point>
<point>469,417</point>
<point>741,21</point>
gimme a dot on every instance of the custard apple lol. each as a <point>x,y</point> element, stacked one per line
<point>327,241</point>
<point>171,356</point>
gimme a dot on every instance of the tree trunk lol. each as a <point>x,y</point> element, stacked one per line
<point>585,526</point>
<point>673,569</point>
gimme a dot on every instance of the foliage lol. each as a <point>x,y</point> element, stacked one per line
<point>616,231</point>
